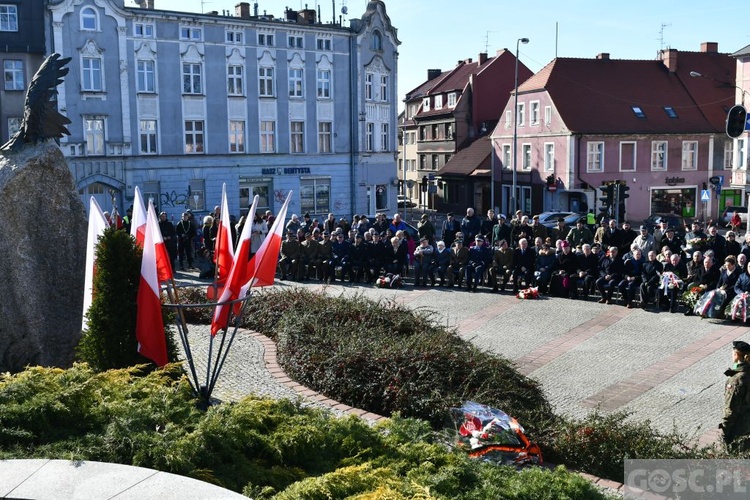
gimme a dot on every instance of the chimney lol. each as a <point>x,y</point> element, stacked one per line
<point>242,10</point>
<point>212,13</point>
<point>603,56</point>
<point>468,61</point>
<point>306,16</point>
<point>433,73</point>
<point>482,58</point>
<point>150,4</point>
<point>710,47</point>
<point>669,58</point>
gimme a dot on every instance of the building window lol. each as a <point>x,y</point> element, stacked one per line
<point>92,74</point>
<point>377,41</point>
<point>368,86</point>
<point>547,115</point>
<point>423,162</point>
<point>507,161</point>
<point>192,82</point>
<point>324,44</point>
<point>451,99</point>
<point>236,136</point>
<point>93,129</point>
<point>267,137</point>
<point>438,102</point>
<point>434,132</point>
<point>534,116</point>
<point>147,132</point>
<point>14,125</point>
<point>324,137</point>
<point>197,195</point>
<point>194,34</point>
<point>295,42</point>
<point>508,118</point>
<point>414,165</point>
<point>435,162</point>
<point>659,155</point>
<point>265,81</point>
<point>265,39</point>
<point>194,136</point>
<point>13,69</point>
<point>595,156</point>
<point>145,76</point>
<point>8,18</point>
<point>526,156</point>
<point>324,84</point>
<point>296,79</point>
<point>521,114</point>
<point>298,137</point>
<point>426,104</point>
<point>741,154</point>
<point>234,36</point>
<point>728,154</point>
<point>384,142</point>
<point>384,88</point>
<point>151,190</point>
<point>638,111</point>
<point>370,137</point>
<point>549,157</point>
<point>89,19</point>
<point>401,165</point>
<point>422,133</point>
<point>234,80</point>
<point>627,156</point>
<point>669,110</point>
<point>315,195</point>
<point>689,155</point>
<point>143,30</point>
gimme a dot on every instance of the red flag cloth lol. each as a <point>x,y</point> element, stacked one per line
<point>224,248</point>
<point>97,224</point>
<point>163,262</point>
<point>149,328</point>
<point>138,222</point>
<point>235,281</point>
<point>262,267</point>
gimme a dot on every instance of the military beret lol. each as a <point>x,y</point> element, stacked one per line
<point>741,346</point>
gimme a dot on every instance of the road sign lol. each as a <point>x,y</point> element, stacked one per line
<point>705,196</point>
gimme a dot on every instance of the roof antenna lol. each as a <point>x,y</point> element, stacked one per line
<point>661,35</point>
<point>487,40</point>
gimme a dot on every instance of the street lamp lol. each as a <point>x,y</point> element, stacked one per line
<point>513,202</point>
<point>696,74</point>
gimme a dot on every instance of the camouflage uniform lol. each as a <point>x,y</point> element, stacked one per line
<point>736,422</point>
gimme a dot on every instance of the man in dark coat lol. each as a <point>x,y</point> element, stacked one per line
<point>450,227</point>
<point>611,268</point>
<point>650,279</point>
<point>736,424</point>
<point>470,225</point>
<point>169,235</point>
<point>612,236</point>
<point>524,259</point>
<point>480,257</point>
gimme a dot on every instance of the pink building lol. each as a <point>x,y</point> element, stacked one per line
<point>649,124</point>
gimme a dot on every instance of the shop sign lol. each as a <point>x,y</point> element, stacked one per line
<point>673,181</point>
<point>285,171</point>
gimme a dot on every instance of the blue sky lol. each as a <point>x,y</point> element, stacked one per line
<point>439,33</point>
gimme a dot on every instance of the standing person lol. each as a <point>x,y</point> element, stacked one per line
<point>397,224</point>
<point>736,422</point>
<point>426,229</point>
<point>450,227</point>
<point>185,232</point>
<point>470,225</point>
<point>501,231</point>
<point>487,225</point>
<point>169,235</point>
<point>258,232</point>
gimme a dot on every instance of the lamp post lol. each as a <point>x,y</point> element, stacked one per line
<point>696,74</point>
<point>513,202</point>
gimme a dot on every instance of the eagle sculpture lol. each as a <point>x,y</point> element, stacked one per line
<point>41,120</point>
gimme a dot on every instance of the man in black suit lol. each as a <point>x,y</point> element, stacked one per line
<point>523,264</point>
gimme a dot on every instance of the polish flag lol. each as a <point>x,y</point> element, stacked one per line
<point>235,281</point>
<point>163,262</point>
<point>138,222</point>
<point>224,249</point>
<point>97,224</point>
<point>149,329</point>
<point>262,267</point>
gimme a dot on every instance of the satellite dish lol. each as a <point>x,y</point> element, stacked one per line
<point>344,10</point>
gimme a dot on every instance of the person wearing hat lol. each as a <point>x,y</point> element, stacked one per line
<point>502,265</point>
<point>560,231</point>
<point>457,267</point>
<point>671,240</point>
<point>645,241</point>
<point>450,227</point>
<point>501,231</point>
<point>423,262</point>
<point>306,222</point>
<point>580,234</point>
<point>538,230</point>
<point>695,239</point>
<point>736,422</point>
<point>731,245</point>
<point>309,257</point>
<point>480,257</point>
<point>426,229</point>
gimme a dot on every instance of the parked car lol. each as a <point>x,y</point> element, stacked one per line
<point>549,219</point>
<point>726,215</point>
<point>673,220</point>
<point>571,219</point>
<point>405,202</point>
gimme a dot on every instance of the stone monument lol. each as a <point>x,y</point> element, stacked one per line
<point>43,243</point>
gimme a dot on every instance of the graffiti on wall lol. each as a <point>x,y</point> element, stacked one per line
<point>173,199</point>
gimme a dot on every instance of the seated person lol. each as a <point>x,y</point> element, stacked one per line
<point>523,264</point>
<point>423,262</point>
<point>457,267</point>
<point>650,279</point>
<point>480,257</point>
<point>631,277</point>
<point>587,269</point>
<point>441,260</point>
<point>563,280</point>
<point>290,256</point>
<point>679,269</point>
<point>545,264</point>
<point>502,265</point>
<point>611,268</point>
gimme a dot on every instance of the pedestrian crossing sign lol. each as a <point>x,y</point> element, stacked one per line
<point>705,196</point>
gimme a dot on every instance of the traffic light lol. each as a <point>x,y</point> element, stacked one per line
<point>736,119</point>
<point>622,195</point>
<point>607,199</point>
<point>424,183</point>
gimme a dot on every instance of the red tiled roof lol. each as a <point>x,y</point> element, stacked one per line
<point>597,95</point>
<point>468,159</point>
<point>424,88</point>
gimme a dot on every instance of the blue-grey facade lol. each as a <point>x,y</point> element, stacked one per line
<point>180,103</point>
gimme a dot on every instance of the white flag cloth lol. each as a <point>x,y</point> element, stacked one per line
<point>97,224</point>
<point>138,222</point>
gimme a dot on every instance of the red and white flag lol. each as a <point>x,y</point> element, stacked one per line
<point>138,222</point>
<point>224,248</point>
<point>149,328</point>
<point>262,267</point>
<point>163,262</point>
<point>237,275</point>
<point>97,224</point>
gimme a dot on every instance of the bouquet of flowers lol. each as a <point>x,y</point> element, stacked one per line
<point>696,243</point>
<point>389,281</point>
<point>737,309</point>
<point>670,280</point>
<point>690,297</point>
<point>529,293</point>
<point>709,305</point>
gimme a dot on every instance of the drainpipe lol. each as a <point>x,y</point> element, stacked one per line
<point>353,122</point>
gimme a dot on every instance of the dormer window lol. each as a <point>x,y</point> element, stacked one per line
<point>438,102</point>
<point>669,110</point>
<point>426,104</point>
<point>638,112</point>
<point>89,19</point>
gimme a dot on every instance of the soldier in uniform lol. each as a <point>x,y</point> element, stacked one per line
<point>290,254</point>
<point>736,421</point>
<point>325,255</point>
<point>309,257</point>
